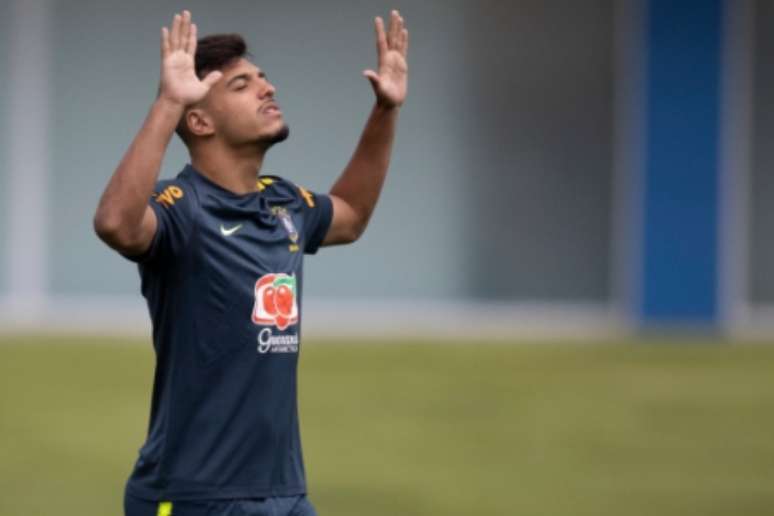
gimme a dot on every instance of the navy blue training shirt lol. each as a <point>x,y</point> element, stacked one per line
<point>223,281</point>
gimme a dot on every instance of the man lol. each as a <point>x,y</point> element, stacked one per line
<point>220,253</point>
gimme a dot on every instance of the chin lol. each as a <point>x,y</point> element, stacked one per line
<point>280,135</point>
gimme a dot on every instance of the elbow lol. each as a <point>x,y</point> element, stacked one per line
<point>106,227</point>
<point>355,231</point>
<point>112,230</point>
<point>350,237</point>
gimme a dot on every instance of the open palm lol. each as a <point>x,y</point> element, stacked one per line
<point>179,82</point>
<point>391,82</point>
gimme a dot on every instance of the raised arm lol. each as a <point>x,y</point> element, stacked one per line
<point>356,191</point>
<point>123,218</point>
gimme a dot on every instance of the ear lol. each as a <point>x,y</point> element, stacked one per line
<point>199,122</point>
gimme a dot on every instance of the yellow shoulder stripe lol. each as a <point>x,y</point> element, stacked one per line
<point>308,197</point>
<point>165,509</point>
<point>263,182</point>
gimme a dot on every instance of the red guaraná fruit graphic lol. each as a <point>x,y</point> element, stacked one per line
<point>282,322</point>
<point>269,303</point>
<point>275,301</point>
<point>284,300</point>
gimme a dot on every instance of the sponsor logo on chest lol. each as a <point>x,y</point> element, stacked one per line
<point>276,306</point>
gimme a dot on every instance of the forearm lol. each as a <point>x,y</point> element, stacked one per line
<point>361,181</point>
<point>125,199</point>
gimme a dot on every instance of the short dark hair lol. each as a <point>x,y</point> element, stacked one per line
<point>217,51</point>
<point>214,52</point>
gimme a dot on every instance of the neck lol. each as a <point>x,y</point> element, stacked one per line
<point>234,169</point>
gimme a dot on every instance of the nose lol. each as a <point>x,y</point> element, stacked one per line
<point>267,89</point>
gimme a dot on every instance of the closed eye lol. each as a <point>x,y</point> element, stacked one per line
<point>238,82</point>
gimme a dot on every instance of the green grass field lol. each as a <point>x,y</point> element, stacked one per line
<point>405,428</point>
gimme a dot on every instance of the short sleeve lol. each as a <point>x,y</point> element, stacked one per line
<point>172,203</point>
<point>317,211</point>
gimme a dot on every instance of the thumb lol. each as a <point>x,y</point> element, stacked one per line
<point>372,77</point>
<point>212,78</point>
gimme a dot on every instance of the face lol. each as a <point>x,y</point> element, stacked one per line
<point>242,108</point>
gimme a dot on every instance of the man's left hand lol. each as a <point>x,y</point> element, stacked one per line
<point>391,82</point>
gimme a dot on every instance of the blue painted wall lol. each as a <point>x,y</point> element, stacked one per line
<point>680,247</point>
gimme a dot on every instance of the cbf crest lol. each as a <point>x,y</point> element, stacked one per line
<point>287,223</point>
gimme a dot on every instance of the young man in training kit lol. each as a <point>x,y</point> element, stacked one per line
<point>220,252</point>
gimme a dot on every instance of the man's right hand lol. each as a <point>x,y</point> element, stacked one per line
<point>179,83</point>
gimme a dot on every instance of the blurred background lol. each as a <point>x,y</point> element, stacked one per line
<point>556,309</point>
<point>560,166</point>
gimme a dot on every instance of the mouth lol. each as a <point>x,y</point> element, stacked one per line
<point>271,109</point>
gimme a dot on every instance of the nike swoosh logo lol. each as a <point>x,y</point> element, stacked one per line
<point>229,231</point>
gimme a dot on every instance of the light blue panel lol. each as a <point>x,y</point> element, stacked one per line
<point>760,281</point>
<point>106,74</point>
<point>539,139</point>
<point>5,24</point>
<point>502,172</point>
<point>104,79</point>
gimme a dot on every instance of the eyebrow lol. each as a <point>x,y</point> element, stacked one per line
<point>245,76</point>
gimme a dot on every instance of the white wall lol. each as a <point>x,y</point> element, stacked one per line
<point>502,181</point>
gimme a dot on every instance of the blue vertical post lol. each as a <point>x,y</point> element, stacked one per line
<point>679,274</point>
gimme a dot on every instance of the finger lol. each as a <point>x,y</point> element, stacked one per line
<point>164,42</point>
<point>174,36</point>
<point>185,29</point>
<point>404,42</point>
<point>392,39</point>
<point>191,45</point>
<point>212,78</point>
<point>381,37</point>
<point>373,77</point>
<point>401,28</point>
